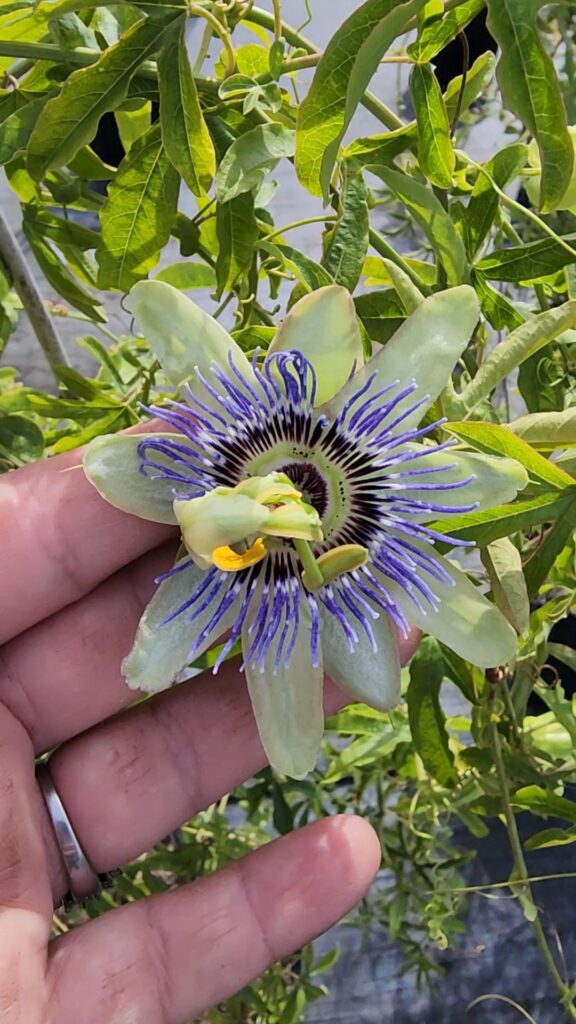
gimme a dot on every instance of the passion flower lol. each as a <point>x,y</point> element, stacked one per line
<point>303,486</point>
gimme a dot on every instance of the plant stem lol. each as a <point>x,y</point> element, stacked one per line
<point>522,210</point>
<point>24,285</point>
<point>195,11</point>
<point>522,873</point>
<point>322,218</point>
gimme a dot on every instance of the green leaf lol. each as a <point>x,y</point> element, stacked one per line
<point>133,122</point>
<point>551,837</point>
<point>542,380</point>
<point>495,439</point>
<point>366,750</point>
<point>547,431</point>
<point>435,150</point>
<point>17,129</point>
<point>484,202</point>
<point>503,561</point>
<point>309,273</point>
<point>540,563</point>
<point>410,296</point>
<point>381,149</point>
<point>344,72</point>
<point>435,222</point>
<point>87,165</point>
<point>377,271</point>
<point>21,440</point>
<point>70,120</point>
<point>503,520</point>
<point>237,237</point>
<point>186,138</point>
<point>250,158</point>
<point>439,30</point>
<point>528,262</point>
<point>523,342</point>
<point>499,312</point>
<point>60,276</point>
<point>382,313</point>
<point>59,230</point>
<point>254,336</point>
<point>346,244</point>
<point>458,97</point>
<point>359,720</point>
<point>427,721</point>
<point>138,214</point>
<point>544,803</point>
<point>187,275</point>
<point>530,89</point>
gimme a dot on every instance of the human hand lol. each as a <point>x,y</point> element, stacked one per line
<point>76,575</point>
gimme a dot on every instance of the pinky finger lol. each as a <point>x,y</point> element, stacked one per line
<point>168,958</point>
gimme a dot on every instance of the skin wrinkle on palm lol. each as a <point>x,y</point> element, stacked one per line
<point>356,458</point>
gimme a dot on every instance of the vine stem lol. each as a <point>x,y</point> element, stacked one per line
<point>522,873</point>
<point>25,287</point>
<point>195,11</point>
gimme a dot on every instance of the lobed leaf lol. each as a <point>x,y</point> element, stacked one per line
<point>138,213</point>
<point>185,135</point>
<point>70,120</point>
<point>524,341</point>
<point>344,72</point>
<point>346,244</point>
<point>436,32</point>
<point>530,89</point>
<point>237,237</point>
<point>435,151</point>
<point>485,527</point>
<point>528,262</point>
<point>250,158</point>
<point>427,720</point>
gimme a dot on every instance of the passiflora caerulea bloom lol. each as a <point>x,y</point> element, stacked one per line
<point>303,486</point>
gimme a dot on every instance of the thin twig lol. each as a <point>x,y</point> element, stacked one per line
<point>25,286</point>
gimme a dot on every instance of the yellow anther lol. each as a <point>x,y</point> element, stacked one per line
<point>229,561</point>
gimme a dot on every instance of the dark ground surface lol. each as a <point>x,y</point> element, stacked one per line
<point>497,953</point>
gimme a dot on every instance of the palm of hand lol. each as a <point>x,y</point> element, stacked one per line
<point>76,575</point>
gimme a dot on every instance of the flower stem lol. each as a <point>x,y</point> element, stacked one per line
<point>522,875</point>
<point>12,256</point>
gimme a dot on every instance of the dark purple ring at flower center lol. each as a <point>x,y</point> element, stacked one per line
<point>310,482</point>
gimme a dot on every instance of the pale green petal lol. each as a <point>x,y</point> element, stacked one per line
<point>183,336</point>
<point>497,480</point>
<point>288,706</point>
<point>112,464</point>
<point>161,652</point>
<point>323,326</point>
<point>464,621</point>
<point>426,348</point>
<point>373,678</point>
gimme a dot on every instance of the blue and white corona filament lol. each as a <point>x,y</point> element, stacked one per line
<point>303,486</point>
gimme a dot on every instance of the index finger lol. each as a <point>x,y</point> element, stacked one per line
<point>60,539</point>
